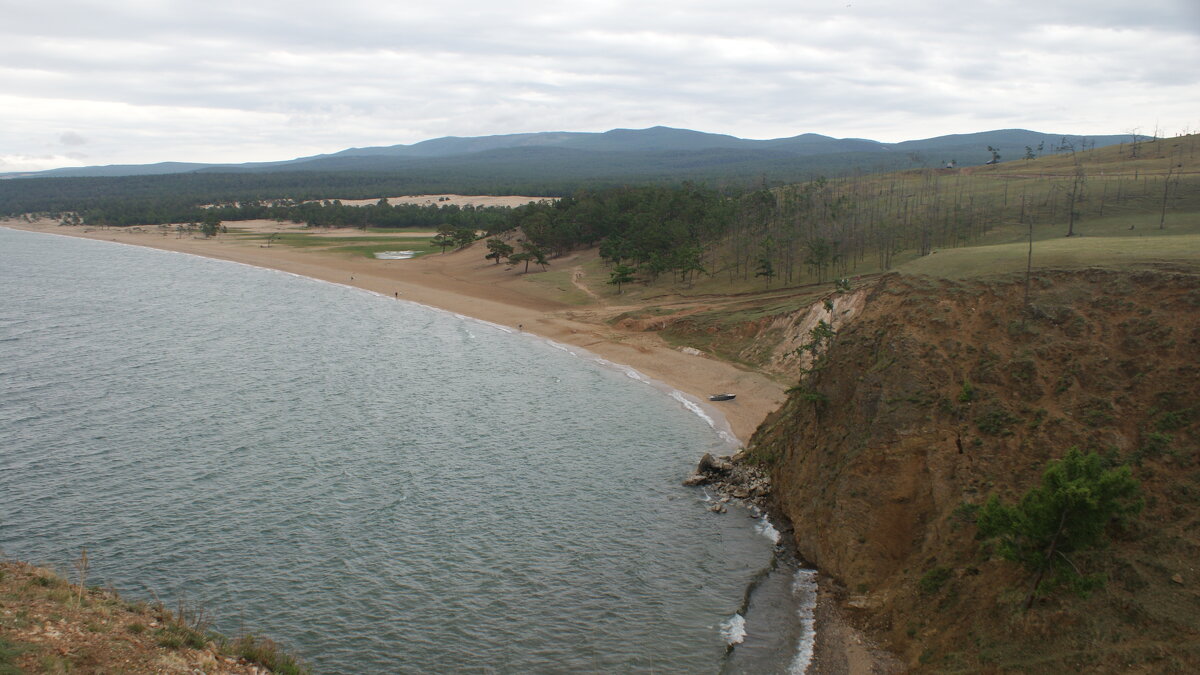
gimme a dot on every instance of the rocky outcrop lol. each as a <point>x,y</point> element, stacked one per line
<point>732,478</point>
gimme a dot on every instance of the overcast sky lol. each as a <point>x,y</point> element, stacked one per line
<point>87,82</point>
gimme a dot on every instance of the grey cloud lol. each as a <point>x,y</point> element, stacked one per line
<point>340,73</point>
<point>72,138</point>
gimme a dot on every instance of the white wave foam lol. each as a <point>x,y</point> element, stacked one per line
<point>804,589</point>
<point>766,529</point>
<point>694,407</point>
<point>733,629</point>
<point>629,371</point>
<point>561,347</point>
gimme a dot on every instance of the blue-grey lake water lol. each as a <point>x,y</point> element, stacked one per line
<point>380,486</point>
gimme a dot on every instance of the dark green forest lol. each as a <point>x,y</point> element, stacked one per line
<point>149,199</point>
<point>813,230</point>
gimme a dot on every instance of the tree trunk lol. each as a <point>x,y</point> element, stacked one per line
<point>1046,563</point>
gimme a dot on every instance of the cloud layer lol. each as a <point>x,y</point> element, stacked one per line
<point>136,81</point>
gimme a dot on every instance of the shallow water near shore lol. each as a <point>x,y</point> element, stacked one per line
<point>380,486</point>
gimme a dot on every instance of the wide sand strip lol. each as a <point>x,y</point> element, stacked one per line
<point>465,283</point>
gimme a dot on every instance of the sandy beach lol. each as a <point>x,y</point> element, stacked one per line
<point>465,283</point>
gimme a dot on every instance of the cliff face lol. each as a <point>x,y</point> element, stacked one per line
<point>938,394</point>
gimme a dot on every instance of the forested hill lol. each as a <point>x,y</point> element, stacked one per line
<point>657,153</point>
<point>547,164</point>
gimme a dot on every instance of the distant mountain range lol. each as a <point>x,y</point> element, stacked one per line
<point>654,153</point>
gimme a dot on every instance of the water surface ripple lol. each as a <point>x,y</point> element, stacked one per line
<point>381,486</point>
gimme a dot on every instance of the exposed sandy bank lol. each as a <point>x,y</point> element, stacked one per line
<point>465,283</point>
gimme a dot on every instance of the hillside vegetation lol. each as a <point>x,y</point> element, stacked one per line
<point>946,382</point>
<point>779,249</point>
<point>48,625</point>
<point>942,393</point>
<point>947,333</point>
<point>823,229</point>
<point>712,241</point>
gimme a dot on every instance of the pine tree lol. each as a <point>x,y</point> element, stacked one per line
<point>1069,512</point>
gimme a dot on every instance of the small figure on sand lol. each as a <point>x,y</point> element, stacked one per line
<point>397,294</point>
<point>521,327</point>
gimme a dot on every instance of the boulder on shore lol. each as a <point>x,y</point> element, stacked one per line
<point>717,465</point>
<point>731,479</point>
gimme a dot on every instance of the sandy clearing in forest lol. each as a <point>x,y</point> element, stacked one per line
<point>448,199</point>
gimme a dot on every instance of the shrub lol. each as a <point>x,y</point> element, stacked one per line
<point>1174,421</point>
<point>267,653</point>
<point>170,640</point>
<point>177,635</point>
<point>966,512</point>
<point>995,421</point>
<point>932,581</point>
<point>1068,512</point>
<point>1154,444</point>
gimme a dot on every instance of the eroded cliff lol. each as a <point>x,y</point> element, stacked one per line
<point>939,394</point>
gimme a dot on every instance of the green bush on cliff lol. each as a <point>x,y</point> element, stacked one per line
<point>995,421</point>
<point>1068,512</point>
<point>932,581</point>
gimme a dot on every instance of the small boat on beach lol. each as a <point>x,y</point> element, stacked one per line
<point>722,397</point>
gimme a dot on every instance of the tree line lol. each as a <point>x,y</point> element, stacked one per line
<point>324,213</point>
<point>815,230</point>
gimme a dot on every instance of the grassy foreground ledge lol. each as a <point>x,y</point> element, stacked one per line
<point>48,625</point>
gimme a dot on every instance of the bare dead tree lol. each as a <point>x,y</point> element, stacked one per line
<point>1029,259</point>
<point>1162,216</point>
<point>1075,197</point>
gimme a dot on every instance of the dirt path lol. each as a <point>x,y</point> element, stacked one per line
<point>577,280</point>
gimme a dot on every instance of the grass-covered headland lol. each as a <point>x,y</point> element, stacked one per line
<point>50,625</point>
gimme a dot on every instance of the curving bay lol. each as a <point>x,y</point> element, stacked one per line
<point>382,486</point>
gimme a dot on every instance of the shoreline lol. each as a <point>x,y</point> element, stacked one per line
<point>466,284</point>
